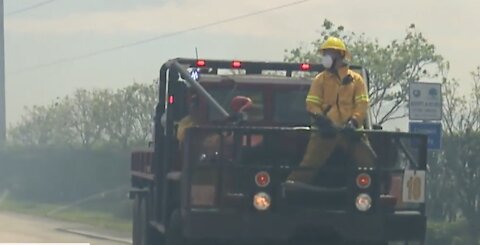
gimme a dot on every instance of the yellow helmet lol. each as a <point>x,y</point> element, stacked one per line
<point>337,44</point>
<point>333,43</point>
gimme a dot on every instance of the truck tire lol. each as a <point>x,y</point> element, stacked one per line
<point>137,224</point>
<point>140,221</point>
<point>174,234</point>
<point>144,226</point>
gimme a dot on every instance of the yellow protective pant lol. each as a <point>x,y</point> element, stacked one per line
<point>320,148</point>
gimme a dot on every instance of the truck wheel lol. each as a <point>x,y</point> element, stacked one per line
<point>144,226</point>
<point>174,234</point>
<point>140,221</point>
<point>137,238</point>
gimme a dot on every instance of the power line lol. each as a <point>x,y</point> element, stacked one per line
<point>162,36</point>
<point>18,11</point>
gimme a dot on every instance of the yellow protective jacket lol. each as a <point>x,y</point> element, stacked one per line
<point>349,100</point>
<point>183,125</point>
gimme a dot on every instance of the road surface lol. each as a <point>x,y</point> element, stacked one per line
<point>23,228</point>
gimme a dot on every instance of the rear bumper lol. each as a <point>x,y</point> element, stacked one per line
<point>282,227</point>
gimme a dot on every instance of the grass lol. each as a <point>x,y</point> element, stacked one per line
<point>74,214</point>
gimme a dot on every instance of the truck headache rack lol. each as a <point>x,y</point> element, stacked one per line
<point>181,65</point>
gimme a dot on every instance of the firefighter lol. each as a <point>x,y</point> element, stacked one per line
<point>244,109</point>
<point>337,99</point>
<point>210,142</point>
<point>193,118</point>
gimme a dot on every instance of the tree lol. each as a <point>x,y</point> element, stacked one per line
<point>391,67</point>
<point>91,118</point>
<point>87,110</point>
<point>130,114</point>
<point>43,126</point>
<point>144,100</point>
<point>460,157</point>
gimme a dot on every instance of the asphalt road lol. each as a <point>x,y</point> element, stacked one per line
<point>23,228</point>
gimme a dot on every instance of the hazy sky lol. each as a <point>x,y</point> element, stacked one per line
<point>66,28</point>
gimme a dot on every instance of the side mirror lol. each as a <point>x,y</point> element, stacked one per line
<point>377,127</point>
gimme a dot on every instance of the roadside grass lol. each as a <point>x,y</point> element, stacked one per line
<point>95,218</point>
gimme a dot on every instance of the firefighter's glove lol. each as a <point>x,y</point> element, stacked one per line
<point>352,123</point>
<point>325,126</point>
<point>322,121</point>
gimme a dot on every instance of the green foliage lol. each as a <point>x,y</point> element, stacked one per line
<point>130,116</point>
<point>454,171</point>
<point>61,175</point>
<point>103,219</point>
<point>391,67</point>
<point>447,233</point>
<point>76,151</point>
<point>91,119</point>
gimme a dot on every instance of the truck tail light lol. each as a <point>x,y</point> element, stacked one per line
<point>236,64</point>
<point>305,67</point>
<point>364,180</point>
<point>201,63</point>
<point>262,179</point>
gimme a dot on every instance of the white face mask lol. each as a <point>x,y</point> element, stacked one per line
<point>327,61</point>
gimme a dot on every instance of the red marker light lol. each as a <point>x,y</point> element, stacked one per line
<point>363,180</point>
<point>236,64</point>
<point>262,179</point>
<point>171,99</point>
<point>305,67</point>
<point>201,63</point>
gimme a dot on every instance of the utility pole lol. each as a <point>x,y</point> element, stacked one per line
<point>3,121</point>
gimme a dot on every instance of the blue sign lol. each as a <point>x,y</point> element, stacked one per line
<point>432,130</point>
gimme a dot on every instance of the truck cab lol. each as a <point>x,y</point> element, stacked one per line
<point>228,133</point>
